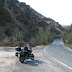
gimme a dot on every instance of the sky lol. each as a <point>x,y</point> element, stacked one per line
<point>58,10</point>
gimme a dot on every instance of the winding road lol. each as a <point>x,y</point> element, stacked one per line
<point>52,58</point>
<point>60,54</point>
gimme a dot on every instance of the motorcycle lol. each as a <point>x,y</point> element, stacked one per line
<point>23,55</point>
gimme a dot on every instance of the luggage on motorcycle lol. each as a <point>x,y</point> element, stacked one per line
<point>18,49</point>
<point>16,54</point>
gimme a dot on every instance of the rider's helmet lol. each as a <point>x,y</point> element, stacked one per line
<point>27,45</point>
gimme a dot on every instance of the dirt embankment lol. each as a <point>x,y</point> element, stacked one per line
<point>17,44</point>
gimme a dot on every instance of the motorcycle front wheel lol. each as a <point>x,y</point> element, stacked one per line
<point>21,59</point>
<point>32,57</point>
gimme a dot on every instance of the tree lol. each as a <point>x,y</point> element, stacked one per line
<point>10,39</point>
<point>33,40</point>
<point>45,41</point>
<point>15,32</point>
<point>39,36</point>
<point>20,36</point>
<point>43,36</point>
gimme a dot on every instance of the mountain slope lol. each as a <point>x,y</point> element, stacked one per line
<point>19,15</point>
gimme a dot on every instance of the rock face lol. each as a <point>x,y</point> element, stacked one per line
<point>15,14</point>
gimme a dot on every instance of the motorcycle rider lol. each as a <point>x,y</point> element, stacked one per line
<point>28,49</point>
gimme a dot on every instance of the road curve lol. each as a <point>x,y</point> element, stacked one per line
<point>60,54</point>
<point>10,63</point>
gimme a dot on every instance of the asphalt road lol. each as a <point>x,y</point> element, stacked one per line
<point>60,54</point>
<point>43,61</point>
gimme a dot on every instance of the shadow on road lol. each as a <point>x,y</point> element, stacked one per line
<point>34,62</point>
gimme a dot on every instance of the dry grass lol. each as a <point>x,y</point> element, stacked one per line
<point>17,44</point>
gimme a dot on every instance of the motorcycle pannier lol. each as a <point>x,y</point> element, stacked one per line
<point>18,49</point>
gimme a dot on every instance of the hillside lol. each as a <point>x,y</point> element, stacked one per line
<point>68,34</point>
<point>16,16</point>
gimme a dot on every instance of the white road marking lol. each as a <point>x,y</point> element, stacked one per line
<point>45,49</point>
<point>58,60</point>
<point>62,63</point>
<point>67,49</point>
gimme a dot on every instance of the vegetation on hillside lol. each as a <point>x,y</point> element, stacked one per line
<point>17,36</point>
<point>20,23</point>
<point>44,36</point>
<point>69,45</point>
<point>67,35</point>
<point>4,16</point>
